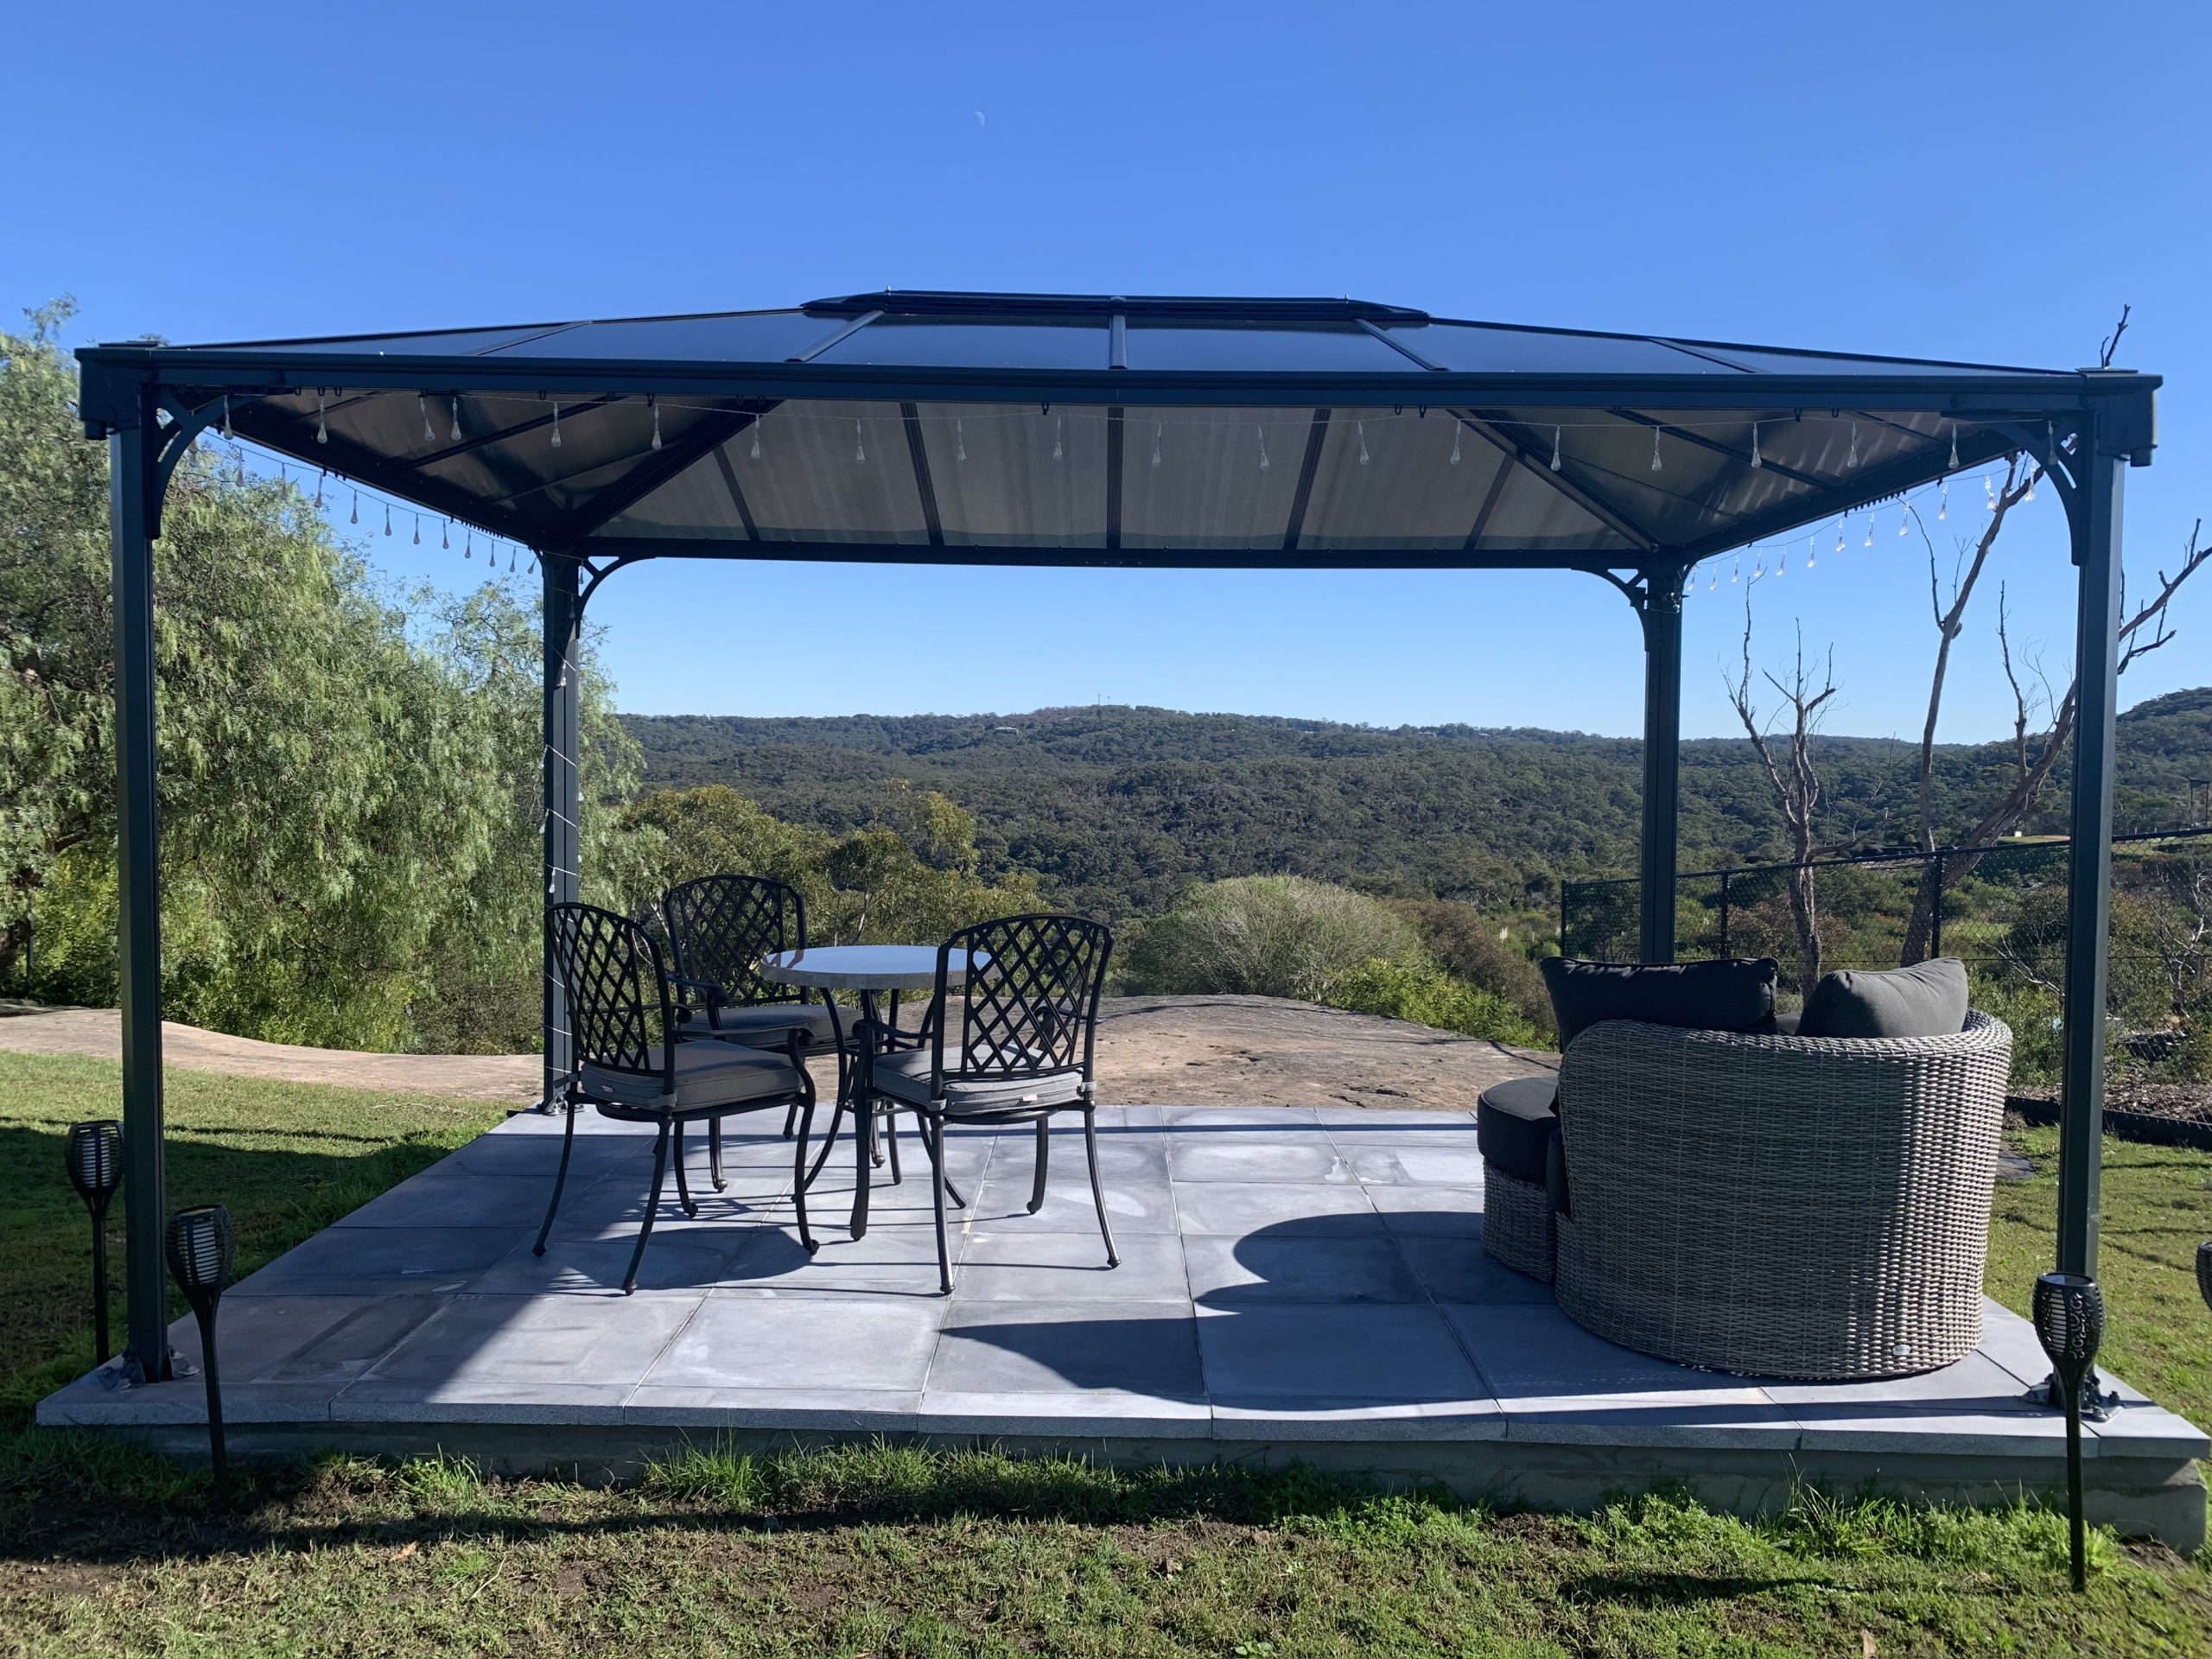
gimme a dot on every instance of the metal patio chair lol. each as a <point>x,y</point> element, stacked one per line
<point>629,1063</point>
<point>1013,1042</point>
<point>719,927</point>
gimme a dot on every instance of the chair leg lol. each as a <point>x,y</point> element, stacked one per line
<point>714,1153</point>
<point>652,1206</point>
<point>560,1180</point>
<point>836,1117</point>
<point>790,1117</point>
<point>683,1186</point>
<point>1097,1192</point>
<point>863,1168</point>
<point>932,1129</point>
<point>935,1147</point>
<point>1043,1162</point>
<point>891,1141</point>
<point>798,1173</point>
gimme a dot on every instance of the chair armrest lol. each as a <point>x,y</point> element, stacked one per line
<point>711,996</point>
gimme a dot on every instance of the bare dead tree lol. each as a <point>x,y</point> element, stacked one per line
<point>1796,782</point>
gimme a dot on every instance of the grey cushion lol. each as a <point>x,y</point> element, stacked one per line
<point>1513,1119</point>
<point>765,1025</point>
<point>1695,995</point>
<point>707,1074</point>
<point>906,1077</point>
<point>1926,999</point>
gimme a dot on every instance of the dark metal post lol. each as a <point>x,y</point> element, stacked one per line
<point>562,619</point>
<point>2095,522</point>
<point>131,482</point>
<point>1936,912</point>
<point>1661,614</point>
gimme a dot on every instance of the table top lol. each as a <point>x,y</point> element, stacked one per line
<point>865,967</point>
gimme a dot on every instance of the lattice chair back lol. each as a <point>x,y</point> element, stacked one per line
<point>618,1007</point>
<point>720,926</point>
<point>1029,1005</point>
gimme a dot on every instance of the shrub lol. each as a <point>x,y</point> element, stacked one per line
<point>1422,992</point>
<point>1265,935</point>
<point>1468,949</point>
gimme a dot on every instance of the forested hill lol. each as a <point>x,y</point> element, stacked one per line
<point>1119,809</point>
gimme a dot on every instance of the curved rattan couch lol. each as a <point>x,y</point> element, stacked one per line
<point>1780,1206</point>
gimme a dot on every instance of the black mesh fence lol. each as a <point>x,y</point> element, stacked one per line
<point>2002,909</point>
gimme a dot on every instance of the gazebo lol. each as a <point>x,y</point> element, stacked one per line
<point>1001,430</point>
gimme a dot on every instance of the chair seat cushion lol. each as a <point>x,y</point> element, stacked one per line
<point>764,1024</point>
<point>1695,995</point>
<point>707,1075</point>
<point>1926,999</point>
<point>906,1077</point>
<point>1513,1121</point>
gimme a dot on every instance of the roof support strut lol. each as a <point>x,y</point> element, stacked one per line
<point>1659,606</point>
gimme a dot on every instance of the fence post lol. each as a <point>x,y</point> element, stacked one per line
<point>1936,916</point>
<point>1724,915</point>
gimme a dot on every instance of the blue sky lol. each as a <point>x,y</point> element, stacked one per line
<point>1978,182</point>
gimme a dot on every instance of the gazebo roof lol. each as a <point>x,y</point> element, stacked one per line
<point>1111,430</point>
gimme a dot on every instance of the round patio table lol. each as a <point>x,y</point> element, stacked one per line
<point>872,971</point>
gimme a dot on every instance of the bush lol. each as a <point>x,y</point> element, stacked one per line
<point>1265,935</point>
<point>1467,948</point>
<point>1422,992</point>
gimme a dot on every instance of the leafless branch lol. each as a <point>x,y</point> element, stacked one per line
<point>2111,342</point>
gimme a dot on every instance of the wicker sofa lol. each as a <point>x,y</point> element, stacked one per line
<point>1778,1205</point>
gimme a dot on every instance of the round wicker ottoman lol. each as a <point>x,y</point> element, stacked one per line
<point>1514,1125</point>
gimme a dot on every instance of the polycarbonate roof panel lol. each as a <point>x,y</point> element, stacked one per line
<point>831,472</point>
<point>1268,348</point>
<point>1211,480</point>
<point>1762,360</point>
<point>754,337</point>
<point>916,342</point>
<point>451,342</point>
<point>1009,475</point>
<point>1386,480</point>
<point>1480,348</point>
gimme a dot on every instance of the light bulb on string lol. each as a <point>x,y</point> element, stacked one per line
<point>1156,442</point>
<point>319,478</point>
<point>1757,460</point>
<point>1712,580</point>
<point>1839,535</point>
<point>654,403</point>
<point>1359,428</point>
<point>1989,492</point>
<point>2033,475</point>
<point>959,440</point>
<point>1955,446</point>
<point>556,423</point>
<point>468,549</point>
<point>860,444</point>
<point>387,518</point>
<point>356,518</point>
<point>1759,569</point>
<point>322,420</point>
<point>1059,435</point>
<point>1852,460</point>
<point>1905,521</point>
<point>1555,458</point>
<point>227,417</point>
<point>1262,431</point>
<point>238,477</point>
<point>1869,530</point>
<point>418,529</point>
<point>423,406</point>
<point>1455,443</point>
<point>455,434</point>
<point>445,536</point>
<point>1657,465</point>
<point>1943,501</point>
<point>1737,575</point>
<point>1812,551</point>
<point>1782,564</point>
<point>756,437</point>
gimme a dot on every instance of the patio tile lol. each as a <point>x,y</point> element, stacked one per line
<point>380,1260</point>
<point>1267,1119</point>
<point>1430,1211</point>
<point>1453,1164</point>
<point>1142,1204</point>
<point>1064,1413</point>
<point>883,1411</point>
<point>479,1349</point>
<point>2147,1431</point>
<point>1147,1348</point>
<point>893,1260</point>
<point>1017,1265</point>
<point>1535,1353</point>
<point>256,1335</point>
<point>1327,1420</point>
<point>1720,1418</point>
<point>344,1351</point>
<point>695,1258</point>
<point>756,1342</point>
<point>1975,1382</point>
<point>1391,1120</point>
<point>1454,1269</point>
<point>1239,1207</point>
<point>2009,1341</point>
<point>1310,1161</point>
<point>1267,1268</point>
<point>1314,1351</point>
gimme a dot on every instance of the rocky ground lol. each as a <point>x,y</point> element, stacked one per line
<point>1204,1050</point>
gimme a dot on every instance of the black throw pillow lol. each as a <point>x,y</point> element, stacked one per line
<point>1695,995</point>
<point>1927,1000</point>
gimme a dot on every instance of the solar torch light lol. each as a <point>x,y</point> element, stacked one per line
<point>95,1161</point>
<point>201,1244</point>
<point>2204,1271</point>
<point>2069,1317</point>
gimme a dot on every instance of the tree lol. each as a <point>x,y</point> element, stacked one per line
<point>1797,784</point>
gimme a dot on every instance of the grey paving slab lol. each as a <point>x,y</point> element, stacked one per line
<point>1236,1208</point>
<point>1734,1419</point>
<point>448,1196</point>
<point>1538,1353</point>
<point>2009,1341</point>
<point>1360,1420</point>
<point>1435,1211</point>
<point>699,1257</point>
<point>1149,1348</point>
<point>519,1350</point>
<point>2148,1430</point>
<point>1377,1354</point>
<point>1065,1411</point>
<point>380,1261</point>
<point>893,1259</point>
<point>1269,1120</point>
<point>1313,1161</point>
<point>341,1352</point>
<point>1358,1123</point>
<point>880,1411</point>
<point>1257,1270</point>
<point>1019,1265</point>
<point>1454,1165</point>
<point>1458,1269</point>
<point>753,1342</point>
<point>1143,1203</point>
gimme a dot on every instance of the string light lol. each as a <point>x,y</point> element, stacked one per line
<point>1812,551</point>
<point>1905,521</point>
<point>1943,502</point>
<point>654,403</point>
<point>1156,426</point>
<point>1757,460</point>
<point>1555,435</point>
<point>1758,568</point>
<point>1782,564</point>
<point>1658,466</point>
<point>756,437</point>
<point>1455,444</point>
<point>321,421</point>
<point>1059,430</point>
<point>1839,535</point>
<point>959,441</point>
<point>227,417</point>
<point>556,423</point>
<point>469,550</point>
<point>445,536</point>
<point>387,518</point>
<point>356,518</point>
<point>418,529</point>
<point>860,444</point>
<point>1262,431</point>
<point>422,403</point>
<point>1989,492</point>
<point>1360,430</point>
<point>1955,446</point>
<point>1852,460</point>
<point>456,418</point>
<point>1869,530</point>
<point>1737,575</point>
<point>319,477</point>
<point>1712,580</point>
<point>2032,476</point>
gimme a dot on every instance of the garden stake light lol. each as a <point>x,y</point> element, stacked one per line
<point>2204,1271</point>
<point>2070,1316</point>
<point>96,1170</point>
<point>201,1245</point>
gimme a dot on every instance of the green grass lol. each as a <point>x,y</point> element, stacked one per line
<point>288,1159</point>
<point>882,1552</point>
